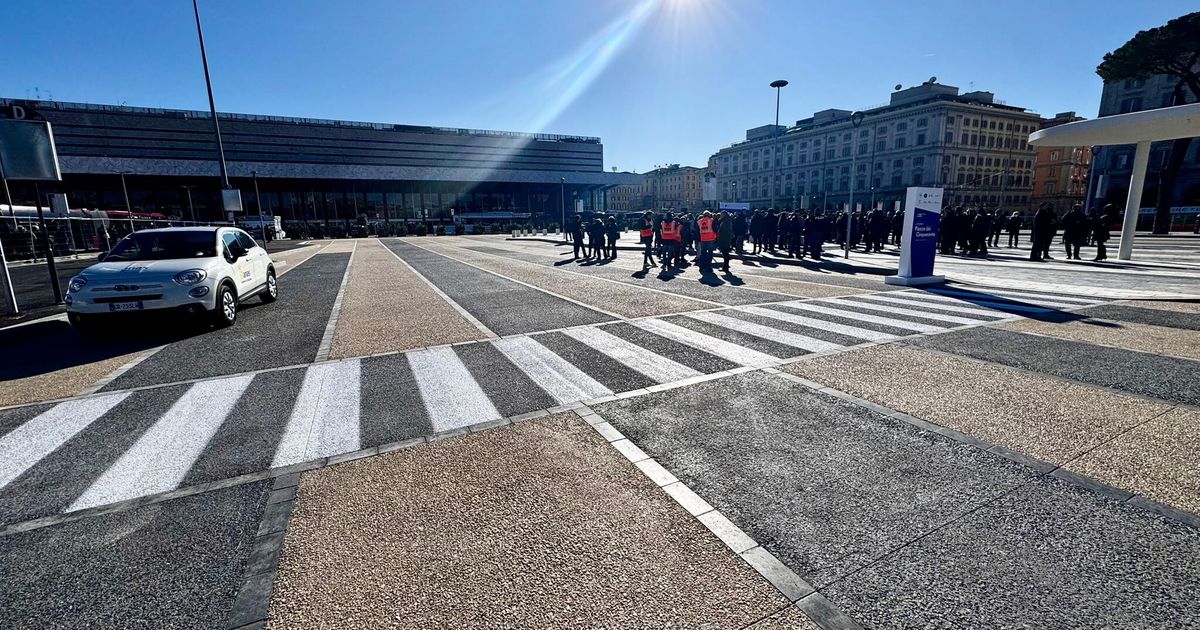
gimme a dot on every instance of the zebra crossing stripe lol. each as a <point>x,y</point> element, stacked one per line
<point>325,418</point>
<point>562,380</point>
<point>631,355</point>
<point>765,332</point>
<point>978,298</point>
<point>27,444</point>
<point>1017,295</point>
<point>950,304</point>
<point>162,456</point>
<point>1044,307</point>
<point>712,345</point>
<point>451,395</point>
<point>820,324</point>
<point>907,311</point>
<point>863,317</point>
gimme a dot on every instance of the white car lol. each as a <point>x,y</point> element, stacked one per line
<point>195,270</point>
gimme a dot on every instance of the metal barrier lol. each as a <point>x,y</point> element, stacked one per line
<point>72,236</point>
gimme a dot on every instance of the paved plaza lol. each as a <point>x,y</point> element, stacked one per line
<point>480,432</point>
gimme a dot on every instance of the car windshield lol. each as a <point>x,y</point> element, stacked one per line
<point>164,246</point>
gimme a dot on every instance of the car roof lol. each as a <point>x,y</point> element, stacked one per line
<point>196,228</point>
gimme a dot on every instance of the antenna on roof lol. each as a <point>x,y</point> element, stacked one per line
<point>898,87</point>
<point>932,80</point>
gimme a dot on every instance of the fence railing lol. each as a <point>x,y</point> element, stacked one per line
<point>22,240</point>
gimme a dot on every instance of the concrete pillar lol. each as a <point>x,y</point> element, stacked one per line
<point>1133,204</point>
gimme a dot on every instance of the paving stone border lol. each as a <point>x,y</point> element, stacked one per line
<point>795,588</point>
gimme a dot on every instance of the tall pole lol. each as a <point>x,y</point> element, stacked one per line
<point>191,208</point>
<point>562,204</point>
<point>58,299</point>
<point>128,207</point>
<point>10,298</point>
<point>212,104</point>
<point>778,85</point>
<point>855,120</point>
<point>262,221</point>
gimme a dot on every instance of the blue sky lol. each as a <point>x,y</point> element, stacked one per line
<point>660,81</point>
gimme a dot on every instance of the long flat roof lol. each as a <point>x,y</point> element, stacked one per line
<point>1152,125</point>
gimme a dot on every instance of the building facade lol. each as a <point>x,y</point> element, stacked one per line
<point>674,187</point>
<point>316,170</point>
<point>929,135</point>
<point>1114,164</point>
<point>626,198</point>
<point>1060,174</point>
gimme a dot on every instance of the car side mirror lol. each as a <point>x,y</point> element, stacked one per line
<point>100,257</point>
<point>237,251</point>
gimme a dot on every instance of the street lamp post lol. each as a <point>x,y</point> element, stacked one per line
<point>262,221</point>
<point>212,104</point>
<point>855,120</point>
<point>778,85</point>
<point>562,204</point>
<point>128,207</point>
<point>191,208</point>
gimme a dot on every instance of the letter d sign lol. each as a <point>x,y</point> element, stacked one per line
<point>18,112</point>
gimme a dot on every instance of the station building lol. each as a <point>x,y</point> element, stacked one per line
<point>315,170</point>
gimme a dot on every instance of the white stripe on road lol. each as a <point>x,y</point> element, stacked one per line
<point>160,459</point>
<point>451,395</point>
<point>906,311</point>
<point>562,380</point>
<point>1044,307</point>
<point>655,366</point>
<point>712,345</point>
<point>324,419</point>
<point>27,444</point>
<point>1032,298</point>
<point>765,332</point>
<point>863,317</point>
<point>940,303</point>
<point>820,324</point>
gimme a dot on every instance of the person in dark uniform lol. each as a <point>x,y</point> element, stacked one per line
<point>646,234</point>
<point>575,227</point>
<point>612,234</point>
<point>796,244</point>
<point>982,232</point>
<point>949,223</point>
<point>997,228</point>
<point>816,236</point>
<point>1013,226</point>
<point>1043,226</point>
<point>1075,229</point>
<point>1100,232</point>
<point>725,238</point>
<point>596,238</point>
<point>739,232</point>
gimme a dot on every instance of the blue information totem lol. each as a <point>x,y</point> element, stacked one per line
<point>918,245</point>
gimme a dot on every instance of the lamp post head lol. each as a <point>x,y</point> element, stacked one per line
<point>778,84</point>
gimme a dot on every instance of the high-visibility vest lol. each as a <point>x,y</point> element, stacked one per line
<point>706,229</point>
<point>647,228</point>
<point>670,231</point>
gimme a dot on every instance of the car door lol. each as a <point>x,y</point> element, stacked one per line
<point>242,270</point>
<point>257,256</point>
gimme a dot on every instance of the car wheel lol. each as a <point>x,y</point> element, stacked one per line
<point>227,306</point>
<point>272,291</point>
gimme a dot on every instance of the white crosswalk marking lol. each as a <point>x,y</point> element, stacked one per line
<point>863,317</point>
<point>452,397</point>
<point>711,345</point>
<point>27,444</point>
<point>1024,304</point>
<point>906,311</point>
<point>925,299</point>
<point>765,332</point>
<point>953,306</point>
<point>657,367</point>
<point>324,419</point>
<point>842,329</point>
<point>562,380</point>
<point>161,458</point>
<point>1024,297</point>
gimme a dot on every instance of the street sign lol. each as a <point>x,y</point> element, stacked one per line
<point>27,151</point>
<point>231,199</point>
<point>918,245</point>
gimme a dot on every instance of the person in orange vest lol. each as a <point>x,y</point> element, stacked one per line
<point>708,240</point>
<point>646,238</point>
<point>670,239</point>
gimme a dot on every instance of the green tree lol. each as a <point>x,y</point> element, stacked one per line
<point>1172,50</point>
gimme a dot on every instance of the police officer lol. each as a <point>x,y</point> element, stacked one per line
<point>1075,231</point>
<point>646,238</point>
<point>1043,226</point>
<point>1100,232</point>
<point>576,229</point>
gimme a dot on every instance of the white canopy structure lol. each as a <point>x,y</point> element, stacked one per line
<point>1140,128</point>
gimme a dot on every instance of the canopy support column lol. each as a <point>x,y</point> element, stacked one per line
<point>1133,204</point>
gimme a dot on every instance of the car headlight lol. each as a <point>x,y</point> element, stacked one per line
<point>76,285</point>
<point>190,277</point>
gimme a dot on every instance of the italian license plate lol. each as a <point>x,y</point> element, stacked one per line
<point>125,306</point>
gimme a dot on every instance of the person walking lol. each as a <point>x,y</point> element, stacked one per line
<point>646,237</point>
<point>1075,230</point>
<point>1100,232</point>
<point>1043,224</point>
<point>613,234</point>
<point>1013,226</point>
<point>596,238</point>
<point>575,227</point>
<point>725,237</point>
<point>739,232</point>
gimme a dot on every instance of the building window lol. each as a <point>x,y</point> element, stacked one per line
<point>919,161</point>
<point>918,178</point>
<point>897,163</point>
<point>901,142</point>
<point>897,180</point>
<point>880,145</point>
<point>1131,105</point>
<point>862,149</point>
<point>902,126</point>
<point>829,154</point>
<point>845,152</point>
<point>920,139</point>
<point>1049,188</point>
<point>1133,84</point>
<point>922,122</point>
<point>1053,155</point>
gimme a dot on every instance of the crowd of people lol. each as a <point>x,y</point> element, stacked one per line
<point>667,237</point>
